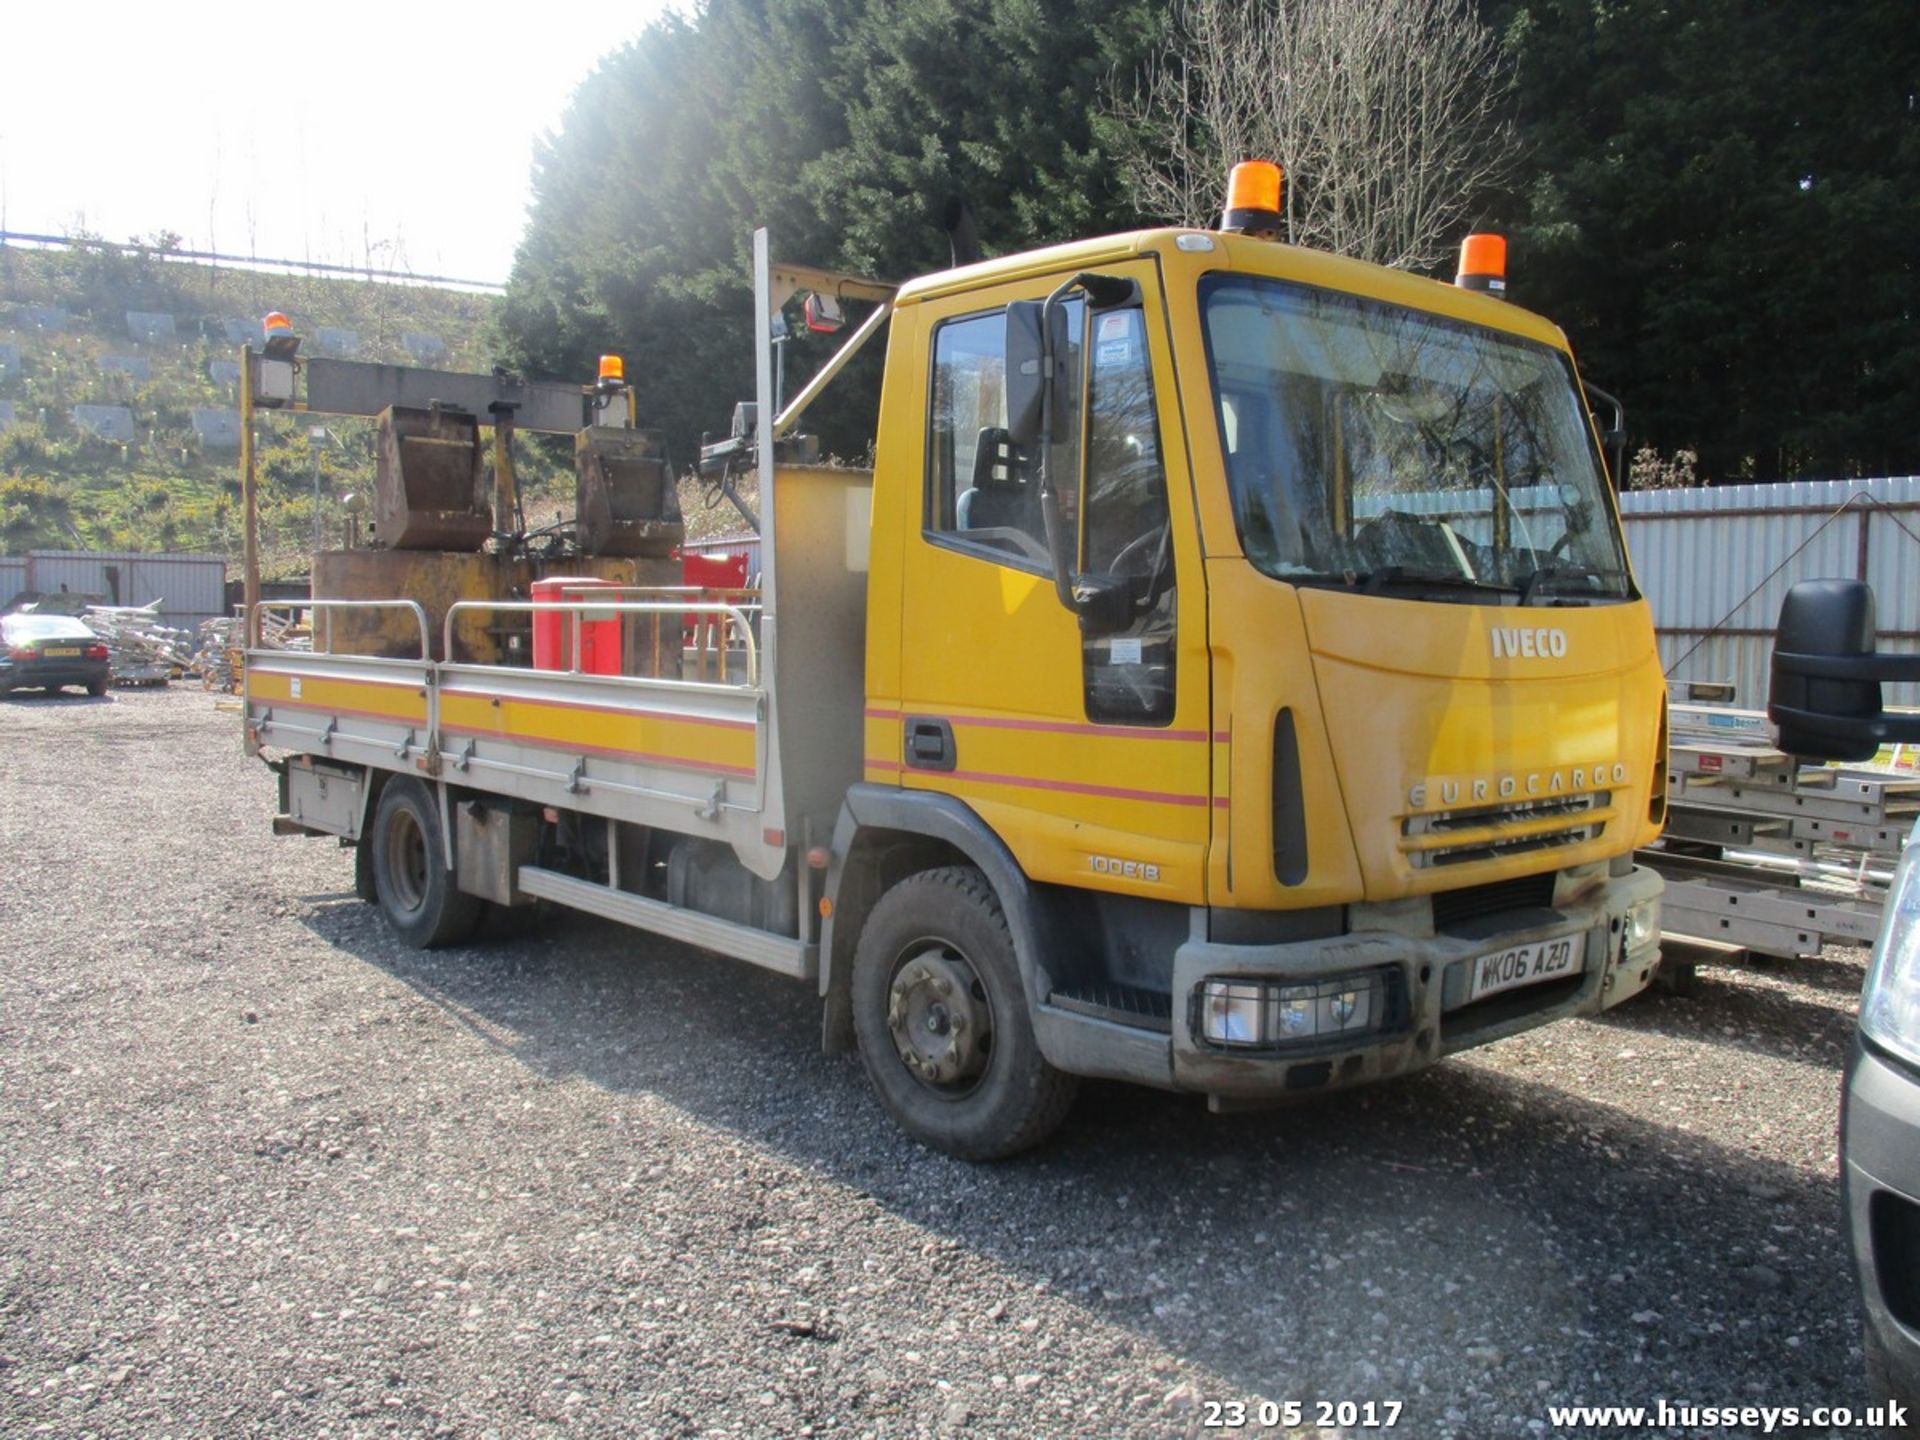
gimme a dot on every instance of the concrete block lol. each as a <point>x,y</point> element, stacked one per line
<point>109,422</point>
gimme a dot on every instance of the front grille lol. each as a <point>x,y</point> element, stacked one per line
<point>1550,823</point>
<point>1457,907</point>
<point>1893,1221</point>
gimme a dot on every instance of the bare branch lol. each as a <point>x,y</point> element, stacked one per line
<point>1387,115</point>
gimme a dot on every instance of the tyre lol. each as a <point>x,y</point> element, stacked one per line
<point>942,1020</point>
<point>416,889</point>
<point>363,885</point>
<point>96,688</point>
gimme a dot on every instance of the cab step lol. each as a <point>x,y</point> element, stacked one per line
<point>1119,1004</point>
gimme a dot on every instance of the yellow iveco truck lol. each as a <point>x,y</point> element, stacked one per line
<point>1228,679</point>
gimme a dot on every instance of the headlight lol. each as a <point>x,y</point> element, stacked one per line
<point>1890,1005</point>
<point>1643,924</point>
<point>1270,1014</point>
<point>1235,1014</point>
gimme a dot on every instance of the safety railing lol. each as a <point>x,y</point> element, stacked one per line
<point>333,733</point>
<point>705,638</point>
<point>580,613</point>
<point>327,608</point>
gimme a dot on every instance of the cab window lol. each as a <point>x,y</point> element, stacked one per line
<point>983,491</point>
<point>1130,675</point>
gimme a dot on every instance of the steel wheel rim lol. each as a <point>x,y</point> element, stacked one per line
<point>940,1017</point>
<point>407,860</point>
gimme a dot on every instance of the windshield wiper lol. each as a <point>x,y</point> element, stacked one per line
<point>1372,582</point>
<point>1535,579</point>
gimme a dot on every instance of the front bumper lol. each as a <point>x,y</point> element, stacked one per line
<point>1431,1019</point>
<point>32,674</point>
<point>1880,1188</point>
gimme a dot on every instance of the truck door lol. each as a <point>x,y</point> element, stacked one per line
<point>1089,756</point>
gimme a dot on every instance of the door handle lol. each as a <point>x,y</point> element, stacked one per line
<point>929,743</point>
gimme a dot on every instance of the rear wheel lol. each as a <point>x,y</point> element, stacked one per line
<point>416,890</point>
<point>96,688</point>
<point>363,884</point>
<point>942,1020</point>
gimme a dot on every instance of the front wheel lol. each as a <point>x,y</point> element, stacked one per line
<point>416,890</point>
<point>942,1020</point>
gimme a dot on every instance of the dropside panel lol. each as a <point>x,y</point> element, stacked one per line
<point>682,757</point>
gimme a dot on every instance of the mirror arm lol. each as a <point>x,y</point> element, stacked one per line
<point>1886,728</point>
<point>1887,669</point>
<point>1614,439</point>
<point>1050,515</point>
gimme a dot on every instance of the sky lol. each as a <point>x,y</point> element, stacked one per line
<point>399,135</point>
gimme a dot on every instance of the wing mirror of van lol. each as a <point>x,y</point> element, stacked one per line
<point>1824,694</point>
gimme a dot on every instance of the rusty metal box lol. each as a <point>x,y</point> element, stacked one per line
<point>625,501</point>
<point>430,481</point>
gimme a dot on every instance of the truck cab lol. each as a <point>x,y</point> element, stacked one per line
<point>1338,763</point>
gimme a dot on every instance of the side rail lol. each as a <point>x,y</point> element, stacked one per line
<point>359,709</point>
<point>587,633</point>
<point>711,643</point>
<point>581,732</point>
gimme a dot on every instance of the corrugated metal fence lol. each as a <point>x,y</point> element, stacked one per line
<point>190,588</point>
<point>1715,564</point>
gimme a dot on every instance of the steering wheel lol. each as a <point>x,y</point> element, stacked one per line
<point>1133,549</point>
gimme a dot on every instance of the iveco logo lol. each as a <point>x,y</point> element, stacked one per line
<point>1532,644</point>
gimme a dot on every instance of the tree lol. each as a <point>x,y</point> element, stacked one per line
<point>1721,211</point>
<point>1387,116</point>
<point>845,126</point>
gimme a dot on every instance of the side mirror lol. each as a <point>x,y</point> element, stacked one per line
<point>1104,603</point>
<point>1613,438</point>
<point>1028,353</point>
<point>1824,697</point>
<point>1043,379</point>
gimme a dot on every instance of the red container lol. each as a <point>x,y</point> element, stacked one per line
<point>714,575</point>
<point>553,629</point>
<point>724,571</point>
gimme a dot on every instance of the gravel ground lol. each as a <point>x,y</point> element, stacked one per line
<point>264,1171</point>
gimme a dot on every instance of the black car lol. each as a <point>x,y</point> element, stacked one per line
<point>44,652</point>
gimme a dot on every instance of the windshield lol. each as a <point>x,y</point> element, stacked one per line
<point>45,627</point>
<point>1374,446</point>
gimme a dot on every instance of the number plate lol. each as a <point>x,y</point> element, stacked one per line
<point>66,653</point>
<point>1525,965</point>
